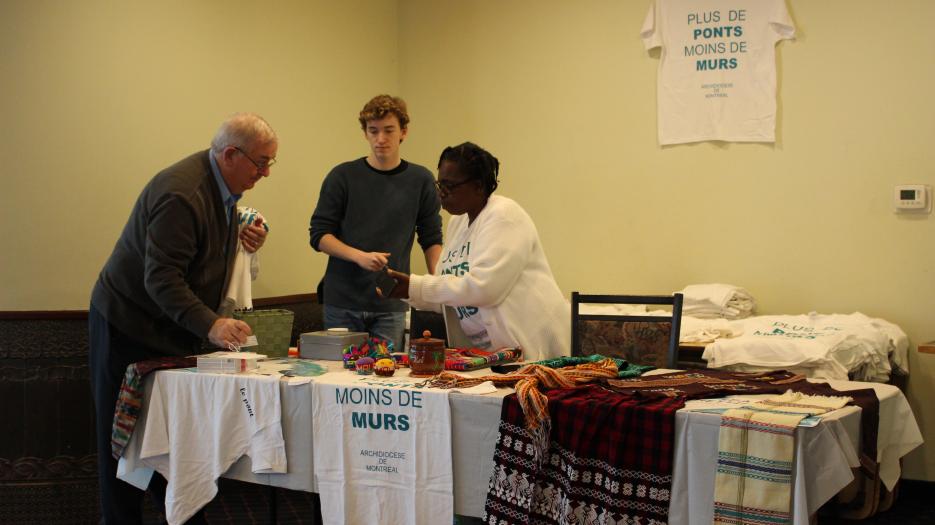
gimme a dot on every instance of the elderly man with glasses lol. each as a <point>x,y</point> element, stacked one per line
<point>160,290</point>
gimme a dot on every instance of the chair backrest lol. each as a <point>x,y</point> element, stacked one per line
<point>420,320</point>
<point>640,339</point>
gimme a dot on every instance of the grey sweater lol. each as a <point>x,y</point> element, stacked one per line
<point>373,211</point>
<point>164,280</point>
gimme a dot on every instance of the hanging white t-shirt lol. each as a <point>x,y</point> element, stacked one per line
<point>382,450</point>
<point>193,443</point>
<point>717,73</point>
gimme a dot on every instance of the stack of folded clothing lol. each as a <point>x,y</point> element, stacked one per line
<point>695,330</point>
<point>828,346</point>
<point>712,301</point>
<point>466,359</point>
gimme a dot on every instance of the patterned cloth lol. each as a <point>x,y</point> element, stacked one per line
<point>130,400</point>
<point>594,454</point>
<point>603,457</point>
<point>756,450</point>
<point>625,369</point>
<point>527,381</point>
<point>467,359</point>
<point>641,342</point>
<point>708,383</point>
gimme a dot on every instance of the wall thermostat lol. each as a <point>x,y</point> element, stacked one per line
<point>913,198</point>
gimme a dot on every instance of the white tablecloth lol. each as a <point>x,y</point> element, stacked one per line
<point>825,454</point>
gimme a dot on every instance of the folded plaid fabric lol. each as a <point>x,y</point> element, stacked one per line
<point>756,449</point>
<point>466,359</point>
<point>130,399</point>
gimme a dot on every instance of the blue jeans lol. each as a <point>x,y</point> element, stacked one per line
<point>385,325</point>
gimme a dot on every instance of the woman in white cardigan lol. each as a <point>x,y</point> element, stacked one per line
<point>492,273</point>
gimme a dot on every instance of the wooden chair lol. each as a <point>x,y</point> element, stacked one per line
<point>420,320</point>
<point>640,339</point>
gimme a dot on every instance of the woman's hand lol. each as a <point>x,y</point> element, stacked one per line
<point>401,290</point>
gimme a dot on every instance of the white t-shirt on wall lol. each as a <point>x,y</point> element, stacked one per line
<point>717,73</point>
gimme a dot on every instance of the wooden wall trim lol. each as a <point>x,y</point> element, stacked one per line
<point>79,315</point>
<point>50,315</point>
<point>286,299</point>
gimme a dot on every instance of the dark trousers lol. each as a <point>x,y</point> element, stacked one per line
<point>110,353</point>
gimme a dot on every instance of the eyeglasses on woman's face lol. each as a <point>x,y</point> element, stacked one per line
<point>445,187</point>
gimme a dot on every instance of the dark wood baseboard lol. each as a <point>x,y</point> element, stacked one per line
<point>44,315</point>
<point>286,299</point>
<point>80,315</point>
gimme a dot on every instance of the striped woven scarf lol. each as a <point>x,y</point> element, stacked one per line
<point>130,400</point>
<point>531,379</point>
<point>756,448</point>
<point>466,359</point>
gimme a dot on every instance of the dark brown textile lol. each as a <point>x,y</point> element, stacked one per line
<point>708,383</point>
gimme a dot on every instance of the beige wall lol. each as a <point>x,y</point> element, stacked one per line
<point>98,96</point>
<point>564,94</point>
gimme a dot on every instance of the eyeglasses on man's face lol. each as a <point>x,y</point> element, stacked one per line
<point>259,165</point>
<point>445,187</point>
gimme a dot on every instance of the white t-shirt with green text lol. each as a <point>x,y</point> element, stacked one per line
<point>717,70</point>
<point>456,260</point>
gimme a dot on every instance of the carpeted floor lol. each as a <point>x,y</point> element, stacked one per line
<point>914,505</point>
<point>245,503</point>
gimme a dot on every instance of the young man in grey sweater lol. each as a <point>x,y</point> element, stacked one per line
<point>369,212</point>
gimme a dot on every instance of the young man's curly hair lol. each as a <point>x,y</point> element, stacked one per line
<point>381,106</point>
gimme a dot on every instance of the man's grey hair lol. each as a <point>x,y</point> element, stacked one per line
<point>242,130</point>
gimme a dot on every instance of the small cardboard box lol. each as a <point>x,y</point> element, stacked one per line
<point>228,362</point>
<point>328,344</point>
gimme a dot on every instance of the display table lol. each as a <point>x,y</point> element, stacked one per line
<point>825,454</point>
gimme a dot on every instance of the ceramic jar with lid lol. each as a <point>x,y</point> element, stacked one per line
<point>426,356</point>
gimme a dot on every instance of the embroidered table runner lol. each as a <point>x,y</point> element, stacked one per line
<point>708,383</point>
<point>601,457</point>
<point>756,450</point>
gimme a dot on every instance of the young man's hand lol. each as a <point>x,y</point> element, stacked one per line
<point>372,261</point>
